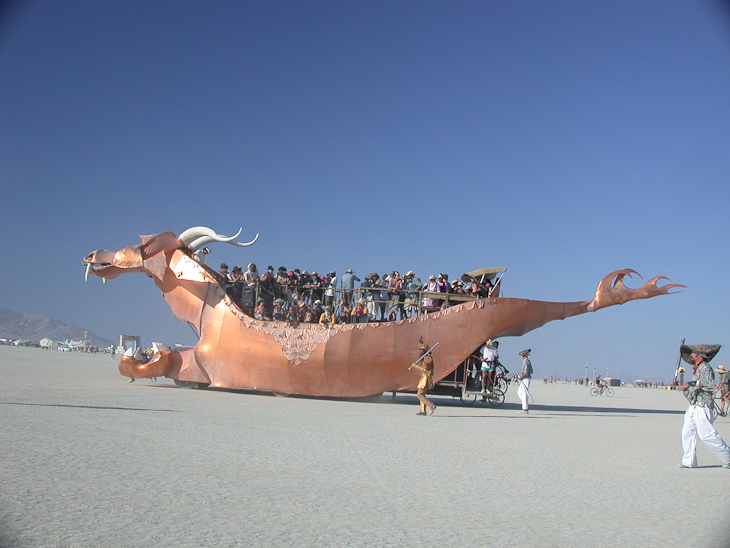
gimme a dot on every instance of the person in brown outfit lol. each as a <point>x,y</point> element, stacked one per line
<point>426,383</point>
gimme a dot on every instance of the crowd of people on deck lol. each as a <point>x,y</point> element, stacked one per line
<point>302,297</point>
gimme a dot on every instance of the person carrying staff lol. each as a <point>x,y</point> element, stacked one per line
<point>700,415</point>
<point>525,376</point>
<point>426,383</point>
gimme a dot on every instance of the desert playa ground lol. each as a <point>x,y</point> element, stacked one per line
<point>89,460</point>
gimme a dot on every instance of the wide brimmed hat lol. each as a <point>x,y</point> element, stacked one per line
<point>526,352</point>
<point>708,351</point>
<point>721,369</point>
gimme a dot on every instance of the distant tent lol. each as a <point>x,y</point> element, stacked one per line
<point>48,344</point>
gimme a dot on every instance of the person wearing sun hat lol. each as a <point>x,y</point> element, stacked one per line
<point>348,285</point>
<point>700,415</point>
<point>426,382</point>
<point>525,376</point>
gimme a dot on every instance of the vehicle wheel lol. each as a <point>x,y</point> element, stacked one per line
<point>594,391</point>
<point>185,384</point>
<point>468,399</point>
<point>202,385</point>
<point>496,399</point>
<point>501,385</point>
<point>610,392</point>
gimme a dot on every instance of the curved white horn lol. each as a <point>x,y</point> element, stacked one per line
<point>201,241</point>
<point>199,236</point>
<point>86,274</point>
<point>240,244</point>
<point>195,232</point>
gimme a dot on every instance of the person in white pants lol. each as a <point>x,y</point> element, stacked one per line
<point>523,391</point>
<point>700,415</point>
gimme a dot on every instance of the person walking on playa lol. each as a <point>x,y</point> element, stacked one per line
<point>426,383</point>
<point>700,415</point>
<point>523,391</point>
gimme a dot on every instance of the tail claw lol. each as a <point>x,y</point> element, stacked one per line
<point>612,290</point>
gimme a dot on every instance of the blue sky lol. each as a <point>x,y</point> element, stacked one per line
<point>562,140</point>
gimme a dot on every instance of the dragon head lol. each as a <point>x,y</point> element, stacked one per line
<point>149,255</point>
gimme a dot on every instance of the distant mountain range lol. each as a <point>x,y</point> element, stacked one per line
<point>34,328</point>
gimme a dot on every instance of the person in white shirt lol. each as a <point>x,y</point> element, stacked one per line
<point>489,363</point>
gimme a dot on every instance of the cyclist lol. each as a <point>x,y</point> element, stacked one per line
<point>600,384</point>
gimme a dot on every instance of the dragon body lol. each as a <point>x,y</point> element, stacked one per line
<point>355,360</point>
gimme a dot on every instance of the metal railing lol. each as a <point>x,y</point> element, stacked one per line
<point>381,304</point>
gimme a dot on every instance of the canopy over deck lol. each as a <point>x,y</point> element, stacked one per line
<point>483,274</point>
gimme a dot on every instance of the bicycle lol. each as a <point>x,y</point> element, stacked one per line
<point>500,378</point>
<point>471,390</point>
<point>717,407</point>
<point>495,397</point>
<point>607,390</point>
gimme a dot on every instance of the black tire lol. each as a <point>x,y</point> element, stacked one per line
<point>468,399</point>
<point>594,391</point>
<point>496,399</point>
<point>610,392</point>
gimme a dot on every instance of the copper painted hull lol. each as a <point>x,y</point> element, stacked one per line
<point>357,360</point>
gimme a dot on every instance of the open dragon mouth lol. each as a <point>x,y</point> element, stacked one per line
<point>98,269</point>
<point>99,262</point>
